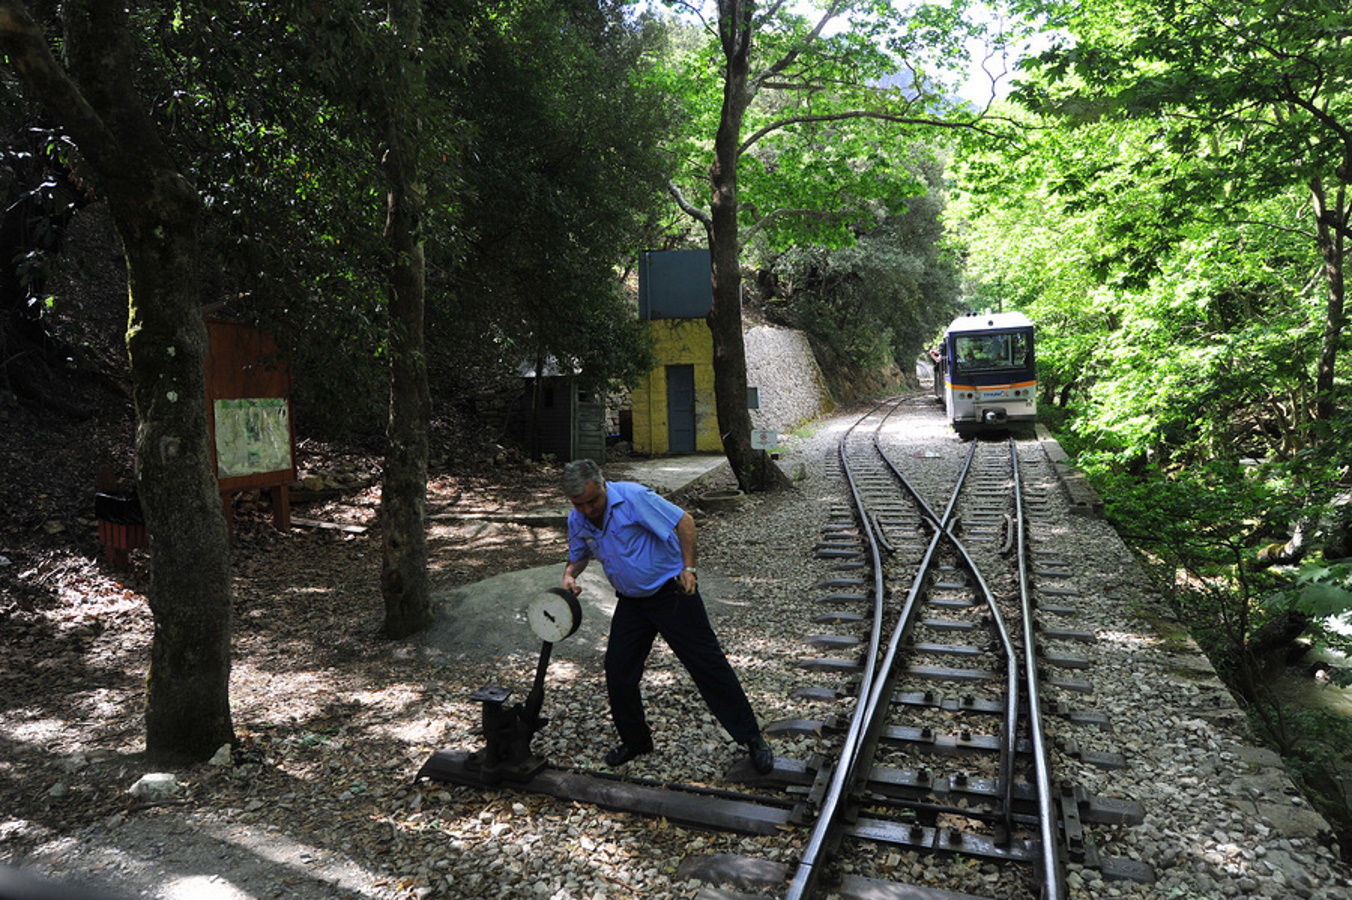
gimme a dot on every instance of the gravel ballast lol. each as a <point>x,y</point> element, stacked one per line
<point>323,805</point>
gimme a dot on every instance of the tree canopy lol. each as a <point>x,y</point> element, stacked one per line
<point>561,191</point>
<point>793,138</point>
<point>1174,216</point>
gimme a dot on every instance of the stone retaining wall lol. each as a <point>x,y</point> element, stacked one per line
<point>779,361</point>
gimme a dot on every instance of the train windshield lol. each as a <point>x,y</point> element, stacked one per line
<point>989,352</point>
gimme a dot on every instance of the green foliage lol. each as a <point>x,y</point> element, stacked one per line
<point>1324,589</point>
<point>1320,590</point>
<point>831,119</point>
<point>838,199</point>
<point>1197,532</point>
<point>1200,519</point>
<point>1205,347</point>
<point>567,176</point>
<point>277,109</point>
<point>40,191</point>
<point>881,300</point>
<point>1157,223</point>
<point>1316,747</point>
<point>539,164</point>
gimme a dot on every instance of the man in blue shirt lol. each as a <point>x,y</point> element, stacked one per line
<point>646,544</point>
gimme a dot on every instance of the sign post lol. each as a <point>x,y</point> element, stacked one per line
<point>764,439</point>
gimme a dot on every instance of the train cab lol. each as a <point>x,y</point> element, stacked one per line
<point>987,373</point>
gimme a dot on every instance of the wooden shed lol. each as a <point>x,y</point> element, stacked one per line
<point>554,415</point>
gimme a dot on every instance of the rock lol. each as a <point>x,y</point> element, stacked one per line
<point>722,500</point>
<point>155,786</point>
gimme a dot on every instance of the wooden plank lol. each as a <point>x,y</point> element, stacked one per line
<point>331,526</point>
<point>742,872</point>
<point>702,809</point>
<point>857,887</point>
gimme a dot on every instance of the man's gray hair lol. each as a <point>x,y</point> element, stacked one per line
<point>578,473</point>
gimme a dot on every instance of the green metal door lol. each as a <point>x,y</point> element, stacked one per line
<point>681,409</point>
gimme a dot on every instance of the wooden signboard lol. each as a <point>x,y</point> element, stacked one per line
<point>253,440</point>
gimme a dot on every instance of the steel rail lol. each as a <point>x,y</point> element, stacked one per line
<point>825,831</point>
<point>1053,877</point>
<point>874,692</point>
<point>1011,715</point>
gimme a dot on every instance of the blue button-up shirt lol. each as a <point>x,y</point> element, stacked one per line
<point>636,543</point>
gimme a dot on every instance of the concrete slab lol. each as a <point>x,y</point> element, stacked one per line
<point>487,620</point>
<point>666,475</point>
<point>1084,500</point>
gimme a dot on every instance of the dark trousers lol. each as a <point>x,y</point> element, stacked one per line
<point>683,623</point>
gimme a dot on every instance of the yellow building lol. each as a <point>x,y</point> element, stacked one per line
<point>673,408</point>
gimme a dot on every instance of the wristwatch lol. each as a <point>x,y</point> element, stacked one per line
<point>690,569</point>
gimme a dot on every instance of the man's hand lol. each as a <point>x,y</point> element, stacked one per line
<point>571,572</point>
<point>687,581</point>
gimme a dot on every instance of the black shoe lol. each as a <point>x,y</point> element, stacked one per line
<point>623,753</point>
<point>762,760</point>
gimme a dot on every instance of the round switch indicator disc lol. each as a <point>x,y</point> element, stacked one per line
<point>554,615</point>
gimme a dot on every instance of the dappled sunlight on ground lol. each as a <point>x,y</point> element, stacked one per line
<point>1130,639</point>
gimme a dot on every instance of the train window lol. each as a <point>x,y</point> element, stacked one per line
<point>983,352</point>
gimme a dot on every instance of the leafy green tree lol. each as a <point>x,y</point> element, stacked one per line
<point>881,300</point>
<point>802,104</point>
<point>1254,95</point>
<point>264,111</point>
<point>565,182</point>
<point>373,129</point>
<point>1166,339</point>
<point>157,212</point>
<point>1029,247</point>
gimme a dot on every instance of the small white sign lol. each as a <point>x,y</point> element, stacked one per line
<point>764,439</point>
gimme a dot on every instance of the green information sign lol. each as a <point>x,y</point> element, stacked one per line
<point>252,436</point>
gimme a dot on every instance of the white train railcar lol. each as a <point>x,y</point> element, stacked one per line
<point>986,373</point>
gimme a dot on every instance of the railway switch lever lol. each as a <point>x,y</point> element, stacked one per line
<point>508,730</point>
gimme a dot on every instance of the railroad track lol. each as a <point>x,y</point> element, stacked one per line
<point>943,756</point>
<point>948,686</point>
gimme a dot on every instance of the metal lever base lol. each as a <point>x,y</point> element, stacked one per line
<point>508,731</point>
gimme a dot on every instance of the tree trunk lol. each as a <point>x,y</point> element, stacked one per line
<point>753,468</point>
<point>187,691</point>
<point>157,212</point>
<point>1331,225</point>
<point>403,577</point>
